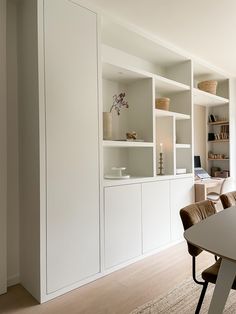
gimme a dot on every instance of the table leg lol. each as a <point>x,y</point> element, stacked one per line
<point>200,192</point>
<point>224,283</point>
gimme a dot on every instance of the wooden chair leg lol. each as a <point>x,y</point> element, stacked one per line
<point>199,305</point>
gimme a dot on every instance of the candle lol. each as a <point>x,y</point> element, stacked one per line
<point>161,146</point>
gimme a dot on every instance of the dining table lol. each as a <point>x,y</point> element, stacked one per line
<point>217,235</point>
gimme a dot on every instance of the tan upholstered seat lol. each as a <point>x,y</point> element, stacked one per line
<point>191,215</point>
<point>228,199</point>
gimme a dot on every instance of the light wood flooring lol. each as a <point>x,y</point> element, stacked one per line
<point>117,293</point>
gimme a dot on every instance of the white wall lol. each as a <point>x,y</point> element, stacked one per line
<point>12,147</point>
<point>3,155</point>
<point>200,133</point>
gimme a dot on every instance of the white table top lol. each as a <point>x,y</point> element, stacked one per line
<point>209,182</point>
<point>216,234</point>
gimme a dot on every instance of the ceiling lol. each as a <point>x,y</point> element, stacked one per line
<point>202,28</point>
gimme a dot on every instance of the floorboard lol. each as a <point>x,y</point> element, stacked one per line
<point>117,293</point>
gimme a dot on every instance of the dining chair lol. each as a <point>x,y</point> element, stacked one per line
<point>228,199</point>
<point>190,215</point>
<point>215,195</point>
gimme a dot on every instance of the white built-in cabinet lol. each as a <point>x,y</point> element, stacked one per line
<point>143,217</point>
<point>71,110</point>
<point>77,226</point>
<point>155,214</point>
<point>123,232</point>
<point>59,157</point>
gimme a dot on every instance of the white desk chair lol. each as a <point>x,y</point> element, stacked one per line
<point>215,196</point>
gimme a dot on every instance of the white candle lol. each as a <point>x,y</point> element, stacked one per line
<point>161,146</point>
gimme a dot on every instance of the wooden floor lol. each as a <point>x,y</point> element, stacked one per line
<point>118,293</point>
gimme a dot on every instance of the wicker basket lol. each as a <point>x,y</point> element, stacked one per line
<point>163,103</point>
<point>208,86</point>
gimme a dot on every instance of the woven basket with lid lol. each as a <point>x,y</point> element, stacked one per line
<point>163,103</point>
<point>208,86</point>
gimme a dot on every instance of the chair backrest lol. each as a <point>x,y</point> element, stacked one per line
<point>194,213</point>
<point>228,199</point>
<point>218,189</point>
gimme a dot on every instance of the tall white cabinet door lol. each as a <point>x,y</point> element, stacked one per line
<point>155,214</point>
<point>122,224</point>
<point>71,143</point>
<point>181,195</point>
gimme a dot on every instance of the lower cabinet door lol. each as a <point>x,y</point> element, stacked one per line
<point>181,195</point>
<point>155,214</point>
<point>122,224</point>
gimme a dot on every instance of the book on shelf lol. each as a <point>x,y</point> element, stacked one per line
<point>212,118</point>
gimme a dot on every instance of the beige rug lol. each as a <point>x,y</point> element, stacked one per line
<point>183,300</point>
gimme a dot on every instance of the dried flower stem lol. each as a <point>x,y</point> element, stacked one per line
<point>118,103</point>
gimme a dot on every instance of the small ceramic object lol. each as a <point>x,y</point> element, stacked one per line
<point>118,174</point>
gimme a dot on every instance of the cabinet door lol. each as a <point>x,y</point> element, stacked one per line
<point>155,214</point>
<point>122,223</point>
<point>182,194</point>
<point>71,143</point>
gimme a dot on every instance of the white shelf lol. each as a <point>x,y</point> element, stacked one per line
<point>182,145</point>
<point>126,144</point>
<point>121,73</point>
<point>218,159</point>
<point>176,115</point>
<point>206,99</point>
<point>218,141</point>
<point>167,86</point>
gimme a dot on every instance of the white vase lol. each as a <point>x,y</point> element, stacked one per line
<point>107,125</point>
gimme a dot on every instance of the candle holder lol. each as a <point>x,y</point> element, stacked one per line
<point>161,168</point>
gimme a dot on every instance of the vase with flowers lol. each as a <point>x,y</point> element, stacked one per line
<point>118,103</point>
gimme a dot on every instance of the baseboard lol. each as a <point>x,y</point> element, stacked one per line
<point>13,280</point>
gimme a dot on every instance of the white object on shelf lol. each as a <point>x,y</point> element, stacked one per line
<point>118,174</point>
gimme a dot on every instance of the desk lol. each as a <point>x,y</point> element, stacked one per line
<point>201,187</point>
<point>217,234</point>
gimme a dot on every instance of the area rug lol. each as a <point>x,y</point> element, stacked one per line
<point>183,299</point>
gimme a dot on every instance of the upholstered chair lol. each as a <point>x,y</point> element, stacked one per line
<point>228,199</point>
<point>191,215</point>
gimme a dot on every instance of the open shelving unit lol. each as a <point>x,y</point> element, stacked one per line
<point>119,152</point>
<point>146,70</point>
<point>217,107</point>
